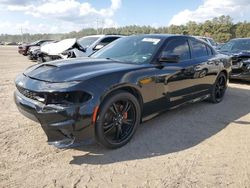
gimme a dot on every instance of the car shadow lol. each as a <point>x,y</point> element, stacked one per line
<point>173,131</point>
<point>242,82</point>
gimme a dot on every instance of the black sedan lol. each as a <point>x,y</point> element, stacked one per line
<point>239,50</point>
<point>128,81</point>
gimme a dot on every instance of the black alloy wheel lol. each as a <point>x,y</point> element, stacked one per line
<point>219,89</point>
<point>117,119</point>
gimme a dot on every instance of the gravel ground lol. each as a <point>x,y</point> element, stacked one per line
<point>199,145</point>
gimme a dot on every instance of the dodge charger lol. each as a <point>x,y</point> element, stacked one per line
<point>107,95</point>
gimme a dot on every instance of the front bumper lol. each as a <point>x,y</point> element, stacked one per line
<point>63,125</point>
<point>32,56</point>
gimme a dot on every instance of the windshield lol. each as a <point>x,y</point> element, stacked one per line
<point>236,45</point>
<point>85,42</point>
<point>34,43</point>
<point>134,49</point>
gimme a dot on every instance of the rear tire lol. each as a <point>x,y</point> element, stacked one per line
<point>219,88</point>
<point>117,120</point>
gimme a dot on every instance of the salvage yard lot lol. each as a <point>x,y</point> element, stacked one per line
<point>199,145</point>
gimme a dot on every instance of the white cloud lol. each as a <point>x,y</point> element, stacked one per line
<point>237,9</point>
<point>66,9</point>
<point>29,27</point>
<point>63,15</point>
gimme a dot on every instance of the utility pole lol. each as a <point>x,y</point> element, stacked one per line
<point>102,26</point>
<point>98,24</point>
<point>22,33</point>
<point>27,37</point>
<point>97,21</point>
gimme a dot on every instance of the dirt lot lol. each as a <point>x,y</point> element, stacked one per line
<point>199,145</point>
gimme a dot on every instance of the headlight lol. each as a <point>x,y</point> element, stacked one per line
<point>68,97</point>
<point>55,97</point>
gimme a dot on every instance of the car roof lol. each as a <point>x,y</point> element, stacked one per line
<point>100,36</point>
<point>162,36</point>
<point>201,37</point>
<point>241,39</point>
<point>165,36</point>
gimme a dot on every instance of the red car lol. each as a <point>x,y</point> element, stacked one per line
<point>23,49</point>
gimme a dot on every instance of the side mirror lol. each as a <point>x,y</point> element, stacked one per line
<point>169,58</point>
<point>98,47</point>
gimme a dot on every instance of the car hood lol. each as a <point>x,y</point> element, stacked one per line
<point>237,53</point>
<point>75,69</point>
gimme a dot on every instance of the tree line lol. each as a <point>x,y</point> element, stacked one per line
<point>220,28</point>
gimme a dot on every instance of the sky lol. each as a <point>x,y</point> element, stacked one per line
<point>61,16</point>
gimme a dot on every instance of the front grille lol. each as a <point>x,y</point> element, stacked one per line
<point>30,94</point>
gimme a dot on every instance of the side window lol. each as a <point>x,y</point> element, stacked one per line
<point>199,49</point>
<point>209,51</point>
<point>108,40</point>
<point>178,47</point>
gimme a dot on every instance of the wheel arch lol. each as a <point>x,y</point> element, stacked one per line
<point>128,88</point>
<point>226,73</point>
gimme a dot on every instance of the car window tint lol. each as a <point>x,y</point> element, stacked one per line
<point>178,47</point>
<point>199,49</point>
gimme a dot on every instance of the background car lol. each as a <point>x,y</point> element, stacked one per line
<point>208,40</point>
<point>35,50</point>
<point>239,50</point>
<point>126,82</point>
<point>10,43</point>
<point>23,48</point>
<point>71,48</point>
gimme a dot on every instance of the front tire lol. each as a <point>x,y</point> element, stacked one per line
<point>219,88</point>
<point>118,117</point>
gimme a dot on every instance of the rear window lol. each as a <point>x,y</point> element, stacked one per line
<point>199,49</point>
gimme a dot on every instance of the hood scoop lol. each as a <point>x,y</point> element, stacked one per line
<point>46,65</point>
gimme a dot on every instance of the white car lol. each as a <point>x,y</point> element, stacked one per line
<point>71,48</point>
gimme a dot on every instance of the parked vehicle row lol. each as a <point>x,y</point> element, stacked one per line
<point>49,50</point>
<point>24,48</point>
<point>34,51</point>
<point>108,94</point>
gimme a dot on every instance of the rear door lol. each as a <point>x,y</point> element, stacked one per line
<point>182,81</point>
<point>206,64</point>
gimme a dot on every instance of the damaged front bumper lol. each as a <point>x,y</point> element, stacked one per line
<point>63,125</point>
<point>240,68</point>
<point>242,73</point>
